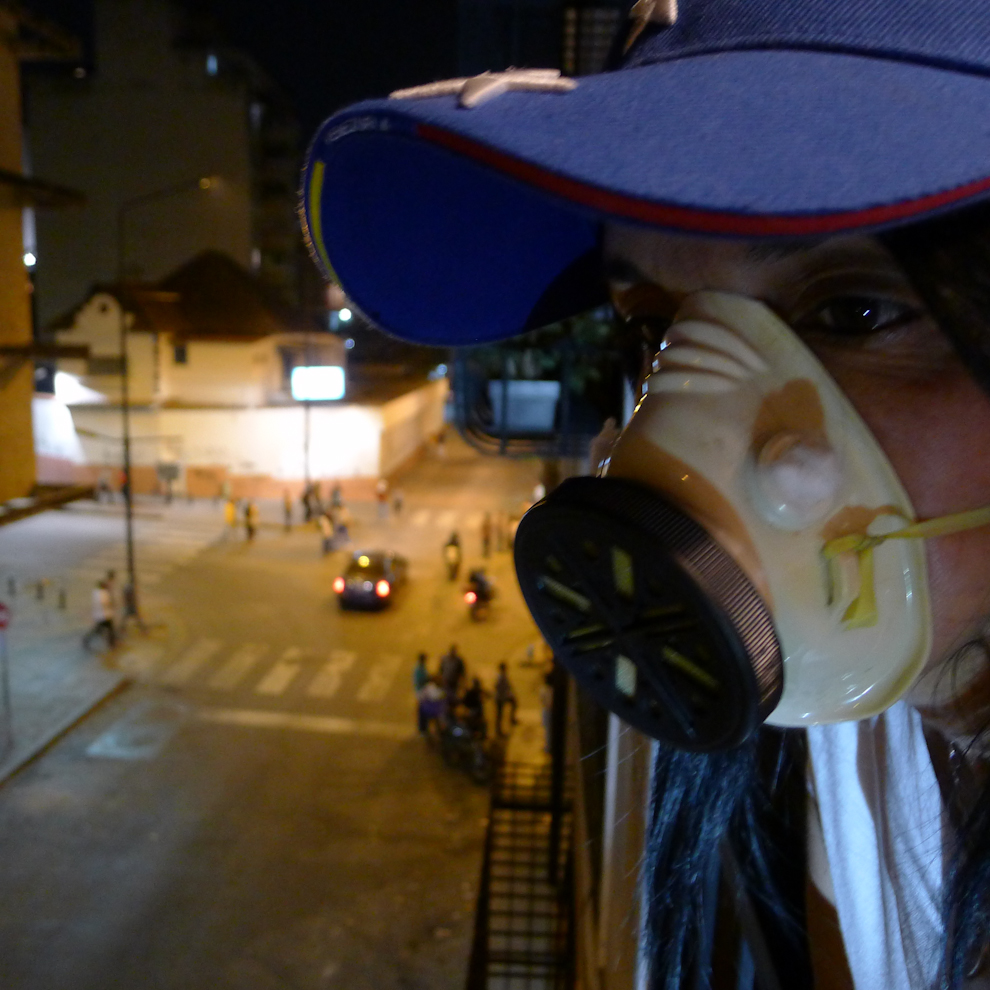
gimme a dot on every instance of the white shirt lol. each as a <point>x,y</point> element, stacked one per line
<point>102,605</point>
<point>881,817</point>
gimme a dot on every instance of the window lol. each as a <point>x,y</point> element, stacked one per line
<point>180,354</point>
<point>105,366</point>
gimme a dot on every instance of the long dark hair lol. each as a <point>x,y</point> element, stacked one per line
<point>749,801</point>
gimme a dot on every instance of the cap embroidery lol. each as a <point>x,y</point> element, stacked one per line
<point>643,12</point>
<point>474,91</point>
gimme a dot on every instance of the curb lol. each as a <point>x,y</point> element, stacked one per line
<point>43,743</point>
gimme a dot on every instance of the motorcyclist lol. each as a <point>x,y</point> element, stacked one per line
<point>481,585</point>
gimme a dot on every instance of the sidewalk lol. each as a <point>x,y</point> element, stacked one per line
<point>54,683</point>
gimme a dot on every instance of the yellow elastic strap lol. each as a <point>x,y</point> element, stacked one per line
<point>862,611</point>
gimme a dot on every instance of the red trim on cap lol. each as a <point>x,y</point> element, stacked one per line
<point>697,221</point>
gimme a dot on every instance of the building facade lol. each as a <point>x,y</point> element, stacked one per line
<point>164,104</point>
<point>22,38</point>
<point>215,403</point>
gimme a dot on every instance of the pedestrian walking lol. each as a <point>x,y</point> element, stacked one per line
<point>505,697</point>
<point>398,501</point>
<point>250,519</point>
<point>381,493</point>
<point>326,531</point>
<point>452,556</point>
<point>102,617</point>
<point>342,520</point>
<point>336,496</point>
<point>486,535</point>
<point>287,510</point>
<point>230,517</point>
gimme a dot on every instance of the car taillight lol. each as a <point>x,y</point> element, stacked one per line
<point>382,589</point>
<point>338,584</point>
<point>471,597</point>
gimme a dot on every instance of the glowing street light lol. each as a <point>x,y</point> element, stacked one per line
<point>30,259</point>
<point>345,315</point>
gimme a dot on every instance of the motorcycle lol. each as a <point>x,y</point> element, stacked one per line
<point>478,595</point>
<point>466,748</point>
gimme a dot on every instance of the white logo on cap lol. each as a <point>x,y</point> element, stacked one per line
<point>645,12</point>
<point>476,90</point>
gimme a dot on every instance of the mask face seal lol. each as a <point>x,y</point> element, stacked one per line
<point>750,554</point>
<point>648,612</point>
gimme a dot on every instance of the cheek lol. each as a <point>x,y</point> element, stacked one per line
<point>936,433</point>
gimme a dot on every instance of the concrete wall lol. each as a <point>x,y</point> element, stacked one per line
<point>258,451</point>
<point>17,464</point>
<point>407,422</point>
<point>148,117</point>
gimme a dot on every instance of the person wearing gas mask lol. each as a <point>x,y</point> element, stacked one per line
<point>782,571</point>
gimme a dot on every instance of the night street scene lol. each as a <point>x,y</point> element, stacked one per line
<point>494,495</point>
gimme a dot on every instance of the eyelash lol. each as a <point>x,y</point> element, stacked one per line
<point>856,316</point>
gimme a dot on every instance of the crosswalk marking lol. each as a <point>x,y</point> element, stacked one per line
<point>282,674</point>
<point>379,679</point>
<point>308,723</point>
<point>237,666</point>
<point>189,663</point>
<point>420,518</point>
<point>331,675</point>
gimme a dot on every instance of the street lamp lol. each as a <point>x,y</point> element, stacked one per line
<point>205,183</point>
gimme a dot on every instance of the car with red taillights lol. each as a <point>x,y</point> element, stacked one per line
<point>370,579</point>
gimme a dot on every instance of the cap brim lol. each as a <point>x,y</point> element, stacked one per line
<point>449,225</point>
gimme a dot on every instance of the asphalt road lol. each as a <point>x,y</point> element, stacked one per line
<point>257,811</point>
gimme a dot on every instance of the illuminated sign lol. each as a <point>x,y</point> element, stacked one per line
<point>318,383</point>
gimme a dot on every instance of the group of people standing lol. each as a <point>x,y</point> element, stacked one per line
<point>440,696</point>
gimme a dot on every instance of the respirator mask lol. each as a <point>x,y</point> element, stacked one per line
<point>747,553</point>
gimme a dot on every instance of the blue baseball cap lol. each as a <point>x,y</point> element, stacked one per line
<point>471,210</point>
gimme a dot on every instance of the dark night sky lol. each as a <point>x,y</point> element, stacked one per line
<point>324,53</point>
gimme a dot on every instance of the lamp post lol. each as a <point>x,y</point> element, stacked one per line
<point>205,183</point>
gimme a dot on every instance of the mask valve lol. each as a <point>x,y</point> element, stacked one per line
<point>794,480</point>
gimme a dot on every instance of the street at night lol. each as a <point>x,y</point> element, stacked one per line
<point>257,809</point>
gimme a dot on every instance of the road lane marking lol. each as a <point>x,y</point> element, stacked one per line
<point>380,678</point>
<point>238,666</point>
<point>189,663</point>
<point>282,674</point>
<point>447,519</point>
<point>420,517</point>
<point>325,724</point>
<point>331,675</point>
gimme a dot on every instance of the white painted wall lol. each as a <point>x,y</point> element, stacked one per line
<point>408,421</point>
<point>247,373</point>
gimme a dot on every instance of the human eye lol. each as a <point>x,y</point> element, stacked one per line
<point>856,316</point>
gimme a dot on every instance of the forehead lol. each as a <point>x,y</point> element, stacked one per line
<point>683,263</point>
